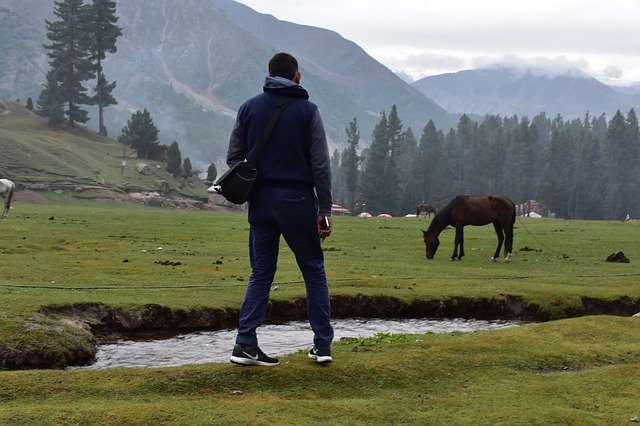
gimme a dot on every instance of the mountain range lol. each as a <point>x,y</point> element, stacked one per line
<point>192,63</point>
<point>510,91</point>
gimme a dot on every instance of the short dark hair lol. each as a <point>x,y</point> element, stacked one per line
<point>283,65</point>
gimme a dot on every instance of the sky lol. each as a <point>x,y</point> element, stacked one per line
<point>419,38</point>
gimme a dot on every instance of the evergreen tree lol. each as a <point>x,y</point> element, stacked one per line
<point>212,172</point>
<point>50,103</point>
<point>618,163</point>
<point>556,191</point>
<point>141,134</point>
<point>174,159</point>
<point>187,168</point>
<point>373,184</point>
<point>337,178</point>
<point>30,103</point>
<point>391,172</point>
<point>409,187</point>
<point>70,57</point>
<point>350,164</point>
<point>103,34</point>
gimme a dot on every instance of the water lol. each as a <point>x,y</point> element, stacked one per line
<point>282,339</point>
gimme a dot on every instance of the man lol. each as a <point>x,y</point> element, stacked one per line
<point>292,198</point>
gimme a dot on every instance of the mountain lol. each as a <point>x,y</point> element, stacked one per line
<point>192,63</point>
<point>20,62</point>
<point>508,91</point>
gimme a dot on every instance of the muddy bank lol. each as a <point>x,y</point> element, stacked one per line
<point>107,323</point>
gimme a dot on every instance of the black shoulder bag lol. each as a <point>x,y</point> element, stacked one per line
<point>237,183</point>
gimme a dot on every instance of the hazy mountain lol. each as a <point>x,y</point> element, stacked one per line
<point>21,61</point>
<point>192,63</point>
<point>508,91</point>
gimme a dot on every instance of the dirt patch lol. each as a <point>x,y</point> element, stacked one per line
<point>29,197</point>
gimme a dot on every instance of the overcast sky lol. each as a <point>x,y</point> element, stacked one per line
<point>426,37</point>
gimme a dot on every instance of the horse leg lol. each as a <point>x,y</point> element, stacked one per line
<point>508,245</point>
<point>459,241</point>
<point>500,235</point>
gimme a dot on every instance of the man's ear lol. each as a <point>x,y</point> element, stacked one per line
<point>297,77</point>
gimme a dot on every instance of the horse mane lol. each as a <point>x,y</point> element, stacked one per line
<point>442,218</point>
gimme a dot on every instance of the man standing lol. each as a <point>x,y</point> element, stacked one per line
<point>292,198</point>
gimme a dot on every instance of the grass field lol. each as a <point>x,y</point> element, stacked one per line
<point>571,371</point>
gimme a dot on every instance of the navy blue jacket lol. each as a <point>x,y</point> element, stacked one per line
<point>296,154</point>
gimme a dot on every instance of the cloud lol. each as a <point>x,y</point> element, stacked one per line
<point>612,72</point>
<point>538,65</point>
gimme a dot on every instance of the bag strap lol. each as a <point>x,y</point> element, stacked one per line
<point>255,153</point>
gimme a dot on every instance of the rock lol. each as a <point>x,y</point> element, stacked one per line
<point>636,315</point>
<point>617,257</point>
<point>163,185</point>
<point>143,168</point>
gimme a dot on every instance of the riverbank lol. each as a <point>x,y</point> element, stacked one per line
<point>574,371</point>
<point>84,326</point>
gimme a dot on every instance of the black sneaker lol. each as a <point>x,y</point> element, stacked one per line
<point>320,355</point>
<point>251,355</point>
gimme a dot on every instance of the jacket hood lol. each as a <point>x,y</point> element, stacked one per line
<point>284,87</point>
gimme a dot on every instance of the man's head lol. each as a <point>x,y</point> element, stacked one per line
<point>284,65</point>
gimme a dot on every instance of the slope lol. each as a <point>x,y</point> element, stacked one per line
<point>79,162</point>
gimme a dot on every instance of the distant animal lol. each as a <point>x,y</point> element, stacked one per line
<point>473,210</point>
<point>6,191</point>
<point>425,208</point>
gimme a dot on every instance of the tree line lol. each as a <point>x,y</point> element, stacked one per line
<point>586,168</point>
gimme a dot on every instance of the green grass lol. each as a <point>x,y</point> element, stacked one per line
<point>578,371</point>
<point>573,371</point>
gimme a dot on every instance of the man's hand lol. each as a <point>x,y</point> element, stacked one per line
<point>325,226</point>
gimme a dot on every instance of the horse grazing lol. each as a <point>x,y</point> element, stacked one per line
<point>425,208</point>
<point>6,191</point>
<point>473,210</point>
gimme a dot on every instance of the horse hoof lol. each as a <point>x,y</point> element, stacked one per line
<point>508,258</point>
<point>493,259</point>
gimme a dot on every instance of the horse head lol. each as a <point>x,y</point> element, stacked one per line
<point>431,242</point>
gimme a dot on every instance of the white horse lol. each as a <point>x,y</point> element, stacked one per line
<point>6,190</point>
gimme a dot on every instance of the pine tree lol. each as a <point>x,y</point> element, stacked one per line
<point>30,103</point>
<point>69,56</point>
<point>350,163</point>
<point>212,173</point>
<point>174,159</point>
<point>373,184</point>
<point>50,103</point>
<point>187,168</point>
<point>103,33</point>
<point>141,134</point>
<point>617,167</point>
<point>391,172</point>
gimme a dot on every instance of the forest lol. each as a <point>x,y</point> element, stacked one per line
<point>584,168</point>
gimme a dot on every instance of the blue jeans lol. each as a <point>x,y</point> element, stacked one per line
<point>292,213</point>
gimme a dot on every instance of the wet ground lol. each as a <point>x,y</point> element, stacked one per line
<point>216,346</point>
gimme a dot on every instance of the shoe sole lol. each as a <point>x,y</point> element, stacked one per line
<point>321,359</point>
<point>248,361</point>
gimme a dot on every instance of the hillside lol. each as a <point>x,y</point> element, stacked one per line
<point>83,165</point>
<point>508,91</point>
<point>192,63</point>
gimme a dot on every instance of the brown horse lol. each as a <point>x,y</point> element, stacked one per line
<point>425,208</point>
<point>473,210</point>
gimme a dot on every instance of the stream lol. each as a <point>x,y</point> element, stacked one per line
<point>275,340</point>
